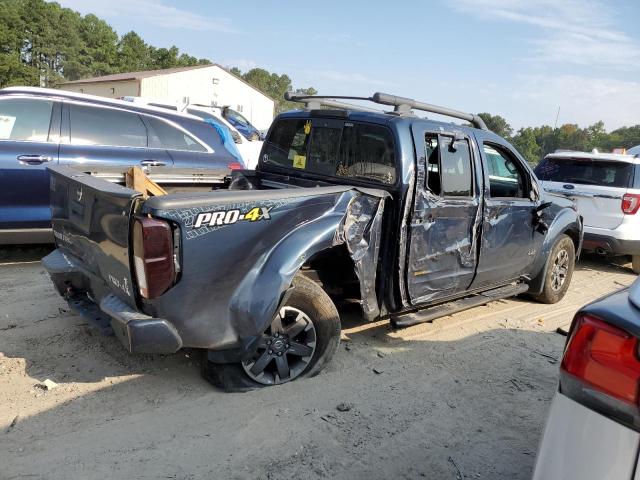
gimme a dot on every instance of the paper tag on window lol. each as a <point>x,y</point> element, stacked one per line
<point>6,126</point>
<point>299,161</point>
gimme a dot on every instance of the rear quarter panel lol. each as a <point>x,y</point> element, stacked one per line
<point>235,275</point>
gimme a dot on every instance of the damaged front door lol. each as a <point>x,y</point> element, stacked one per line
<point>442,253</point>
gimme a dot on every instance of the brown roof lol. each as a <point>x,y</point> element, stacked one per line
<point>117,77</point>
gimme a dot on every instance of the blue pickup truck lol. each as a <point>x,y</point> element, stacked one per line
<point>412,218</point>
<point>41,127</point>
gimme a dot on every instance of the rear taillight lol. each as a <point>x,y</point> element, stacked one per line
<point>630,203</point>
<point>153,256</point>
<point>235,166</point>
<point>600,369</point>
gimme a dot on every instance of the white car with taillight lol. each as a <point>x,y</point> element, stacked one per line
<point>593,429</point>
<point>606,189</point>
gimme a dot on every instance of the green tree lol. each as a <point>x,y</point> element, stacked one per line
<point>497,124</point>
<point>134,54</point>
<point>273,85</point>
<point>525,142</point>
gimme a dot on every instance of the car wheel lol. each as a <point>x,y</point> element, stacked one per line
<point>560,265</point>
<point>301,340</point>
<point>635,264</point>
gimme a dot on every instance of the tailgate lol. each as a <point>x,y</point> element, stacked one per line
<point>90,218</point>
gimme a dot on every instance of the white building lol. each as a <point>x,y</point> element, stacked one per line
<point>203,84</point>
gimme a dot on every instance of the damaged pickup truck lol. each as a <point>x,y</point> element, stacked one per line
<point>412,218</point>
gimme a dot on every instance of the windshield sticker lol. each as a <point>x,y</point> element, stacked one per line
<point>6,126</point>
<point>299,161</point>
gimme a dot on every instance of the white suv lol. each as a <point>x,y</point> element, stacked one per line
<point>606,188</point>
<point>249,149</point>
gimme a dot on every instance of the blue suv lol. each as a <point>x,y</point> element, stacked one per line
<point>42,127</point>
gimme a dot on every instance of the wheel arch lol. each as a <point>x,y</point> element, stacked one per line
<point>567,222</point>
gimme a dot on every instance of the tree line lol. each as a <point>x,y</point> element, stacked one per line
<point>535,142</point>
<point>44,44</point>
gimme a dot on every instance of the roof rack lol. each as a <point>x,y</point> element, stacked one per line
<point>402,105</point>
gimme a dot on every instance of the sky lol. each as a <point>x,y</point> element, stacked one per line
<point>522,59</point>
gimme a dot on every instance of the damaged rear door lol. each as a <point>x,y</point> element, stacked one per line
<point>442,254</point>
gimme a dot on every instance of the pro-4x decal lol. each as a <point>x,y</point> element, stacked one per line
<point>229,217</point>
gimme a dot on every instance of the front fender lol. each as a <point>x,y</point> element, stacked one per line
<point>566,221</point>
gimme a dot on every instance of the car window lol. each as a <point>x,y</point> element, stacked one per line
<point>105,126</point>
<point>449,167</point>
<point>636,183</point>
<point>506,176</point>
<point>25,119</point>
<point>342,149</point>
<point>236,117</point>
<point>201,114</point>
<point>164,135</point>
<point>585,171</point>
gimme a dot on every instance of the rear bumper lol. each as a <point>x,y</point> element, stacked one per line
<point>580,444</point>
<point>9,236</point>
<point>610,244</point>
<point>139,333</point>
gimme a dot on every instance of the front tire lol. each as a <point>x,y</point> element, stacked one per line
<point>301,340</point>
<point>559,270</point>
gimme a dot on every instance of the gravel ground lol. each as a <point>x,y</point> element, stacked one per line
<point>463,397</point>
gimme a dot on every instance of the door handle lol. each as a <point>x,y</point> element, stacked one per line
<point>34,159</point>
<point>152,163</point>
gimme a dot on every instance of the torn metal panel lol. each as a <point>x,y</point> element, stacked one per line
<point>361,232</point>
<point>242,249</point>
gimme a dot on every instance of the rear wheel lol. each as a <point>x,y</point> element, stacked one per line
<point>302,338</point>
<point>635,264</point>
<point>560,265</point>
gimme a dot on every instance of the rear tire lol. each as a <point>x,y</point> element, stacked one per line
<point>635,264</point>
<point>559,270</point>
<point>300,341</point>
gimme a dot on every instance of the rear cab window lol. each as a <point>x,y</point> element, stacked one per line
<point>586,171</point>
<point>334,148</point>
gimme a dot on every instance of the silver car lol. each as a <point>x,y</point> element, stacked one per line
<point>593,429</point>
<point>606,189</point>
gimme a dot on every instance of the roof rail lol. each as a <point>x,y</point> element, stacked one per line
<point>402,105</point>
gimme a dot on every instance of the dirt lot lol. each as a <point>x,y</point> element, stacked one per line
<point>463,397</point>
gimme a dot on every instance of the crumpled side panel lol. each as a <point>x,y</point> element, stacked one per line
<point>241,250</point>
<point>443,246</point>
<point>361,232</point>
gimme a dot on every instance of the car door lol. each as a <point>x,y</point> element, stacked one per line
<point>443,231</point>
<point>29,134</point>
<point>96,135</point>
<point>509,240</point>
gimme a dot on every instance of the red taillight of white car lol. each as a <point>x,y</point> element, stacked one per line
<point>601,369</point>
<point>153,256</point>
<point>630,203</point>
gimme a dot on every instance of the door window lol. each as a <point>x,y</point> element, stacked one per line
<point>506,175</point>
<point>104,126</point>
<point>164,135</point>
<point>25,119</point>
<point>449,167</point>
